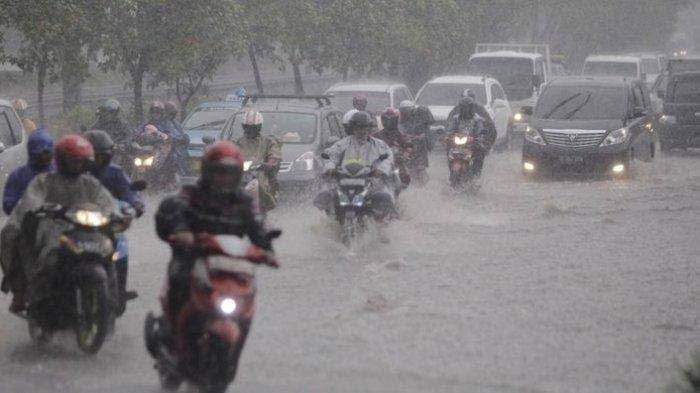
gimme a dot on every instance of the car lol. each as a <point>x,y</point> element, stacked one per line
<point>614,65</point>
<point>589,124</point>
<point>673,66</point>
<point>680,122</point>
<point>521,69</point>
<point>380,95</point>
<point>652,65</point>
<point>206,120</point>
<point>306,126</point>
<point>441,95</point>
<point>13,141</point>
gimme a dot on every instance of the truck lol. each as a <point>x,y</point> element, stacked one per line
<point>522,70</point>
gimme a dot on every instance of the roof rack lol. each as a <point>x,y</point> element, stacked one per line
<point>322,100</point>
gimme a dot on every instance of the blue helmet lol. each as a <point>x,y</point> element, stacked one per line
<point>236,94</point>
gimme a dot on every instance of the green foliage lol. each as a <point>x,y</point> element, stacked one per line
<point>70,122</point>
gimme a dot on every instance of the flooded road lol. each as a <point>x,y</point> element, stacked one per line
<point>572,286</point>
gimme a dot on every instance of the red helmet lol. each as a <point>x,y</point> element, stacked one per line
<point>359,102</point>
<point>222,168</point>
<point>390,118</point>
<point>73,155</point>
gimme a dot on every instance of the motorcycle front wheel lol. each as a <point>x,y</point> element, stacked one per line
<point>93,315</point>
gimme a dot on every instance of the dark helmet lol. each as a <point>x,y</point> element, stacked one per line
<point>74,154</point>
<point>103,145</point>
<point>222,168</point>
<point>156,107</point>
<point>170,109</point>
<point>469,93</point>
<point>359,102</point>
<point>390,118</point>
<point>361,119</point>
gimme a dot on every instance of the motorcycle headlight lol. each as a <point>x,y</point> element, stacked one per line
<point>247,165</point>
<point>461,140</point>
<point>90,218</point>
<point>616,137</point>
<point>305,161</point>
<point>148,161</point>
<point>359,200</point>
<point>227,306</point>
<point>343,199</point>
<point>518,116</point>
<point>532,135</point>
<point>138,161</point>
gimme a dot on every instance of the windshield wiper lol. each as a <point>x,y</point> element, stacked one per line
<point>566,101</point>
<point>578,108</point>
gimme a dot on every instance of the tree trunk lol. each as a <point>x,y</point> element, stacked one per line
<point>256,70</point>
<point>40,85</point>
<point>137,79</point>
<point>73,71</point>
<point>298,82</point>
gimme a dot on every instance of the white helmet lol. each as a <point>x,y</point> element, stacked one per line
<point>348,115</point>
<point>407,104</point>
<point>252,118</point>
<point>19,104</point>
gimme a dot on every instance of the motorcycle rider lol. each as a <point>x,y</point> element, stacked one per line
<point>397,141</point>
<point>118,183</point>
<point>27,243</point>
<point>346,121</point>
<point>215,205</point>
<point>180,156</point>
<point>264,150</point>
<point>359,102</point>
<point>415,122</point>
<point>360,146</point>
<point>40,157</point>
<point>468,119</point>
<point>20,105</point>
<point>479,110</point>
<point>109,120</point>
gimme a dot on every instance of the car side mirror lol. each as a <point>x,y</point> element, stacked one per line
<point>526,110</point>
<point>138,185</point>
<point>208,140</point>
<point>325,156</point>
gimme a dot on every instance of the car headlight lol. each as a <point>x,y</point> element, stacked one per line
<point>616,137</point>
<point>532,135</point>
<point>247,165</point>
<point>359,200</point>
<point>343,199</point>
<point>228,305</point>
<point>148,161</point>
<point>461,140</point>
<point>90,218</point>
<point>668,119</point>
<point>305,161</point>
<point>138,162</point>
<point>518,116</point>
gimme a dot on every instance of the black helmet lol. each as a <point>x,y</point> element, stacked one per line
<point>361,119</point>
<point>104,148</point>
<point>170,109</point>
<point>466,102</point>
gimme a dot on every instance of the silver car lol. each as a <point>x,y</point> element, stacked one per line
<point>13,141</point>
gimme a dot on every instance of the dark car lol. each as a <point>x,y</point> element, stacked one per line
<point>675,66</point>
<point>680,122</point>
<point>585,124</point>
<point>306,125</point>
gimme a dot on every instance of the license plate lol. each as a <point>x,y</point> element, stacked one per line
<point>352,182</point>
<point>570,159</point>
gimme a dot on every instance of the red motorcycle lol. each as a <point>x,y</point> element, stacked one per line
<point>211,328</point>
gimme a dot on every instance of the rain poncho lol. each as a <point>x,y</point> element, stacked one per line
<point>260,150</point>
<point>350,149</point>
<point>39,142</point>
<point>34,253</point>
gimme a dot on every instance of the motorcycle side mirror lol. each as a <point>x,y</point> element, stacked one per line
<point>325,156</point>
<point>383,157</point>
<point>208,140</point>
<point>138,185</point>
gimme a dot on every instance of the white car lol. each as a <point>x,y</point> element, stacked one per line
<point>441,95</point>
<point>13,141</point>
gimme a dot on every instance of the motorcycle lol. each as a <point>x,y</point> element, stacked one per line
<point>150,153</point>
<point>460,157</point>
<point>83,288</point>
<point>352,207</point>
<point>211,329</point>
<point>417,169</point>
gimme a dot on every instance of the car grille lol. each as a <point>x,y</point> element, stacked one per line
<point>574,138</point>
<point>285,166</point>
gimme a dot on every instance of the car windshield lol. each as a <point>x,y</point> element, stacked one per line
<point>610,68</point>
<point>208,119</point>
<point>288,127</point>
<point>651,66</point>
<point>514,74</point>
<point>582,103</point>
<point>685,92</point>
<point>448,94</point>
<point>376,101</point>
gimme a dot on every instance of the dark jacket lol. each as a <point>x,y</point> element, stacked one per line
<point>19,179</point>
<point>117,129</point>
<point>196,210</point>
<point>489,124</point>
<point>118,183</point>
